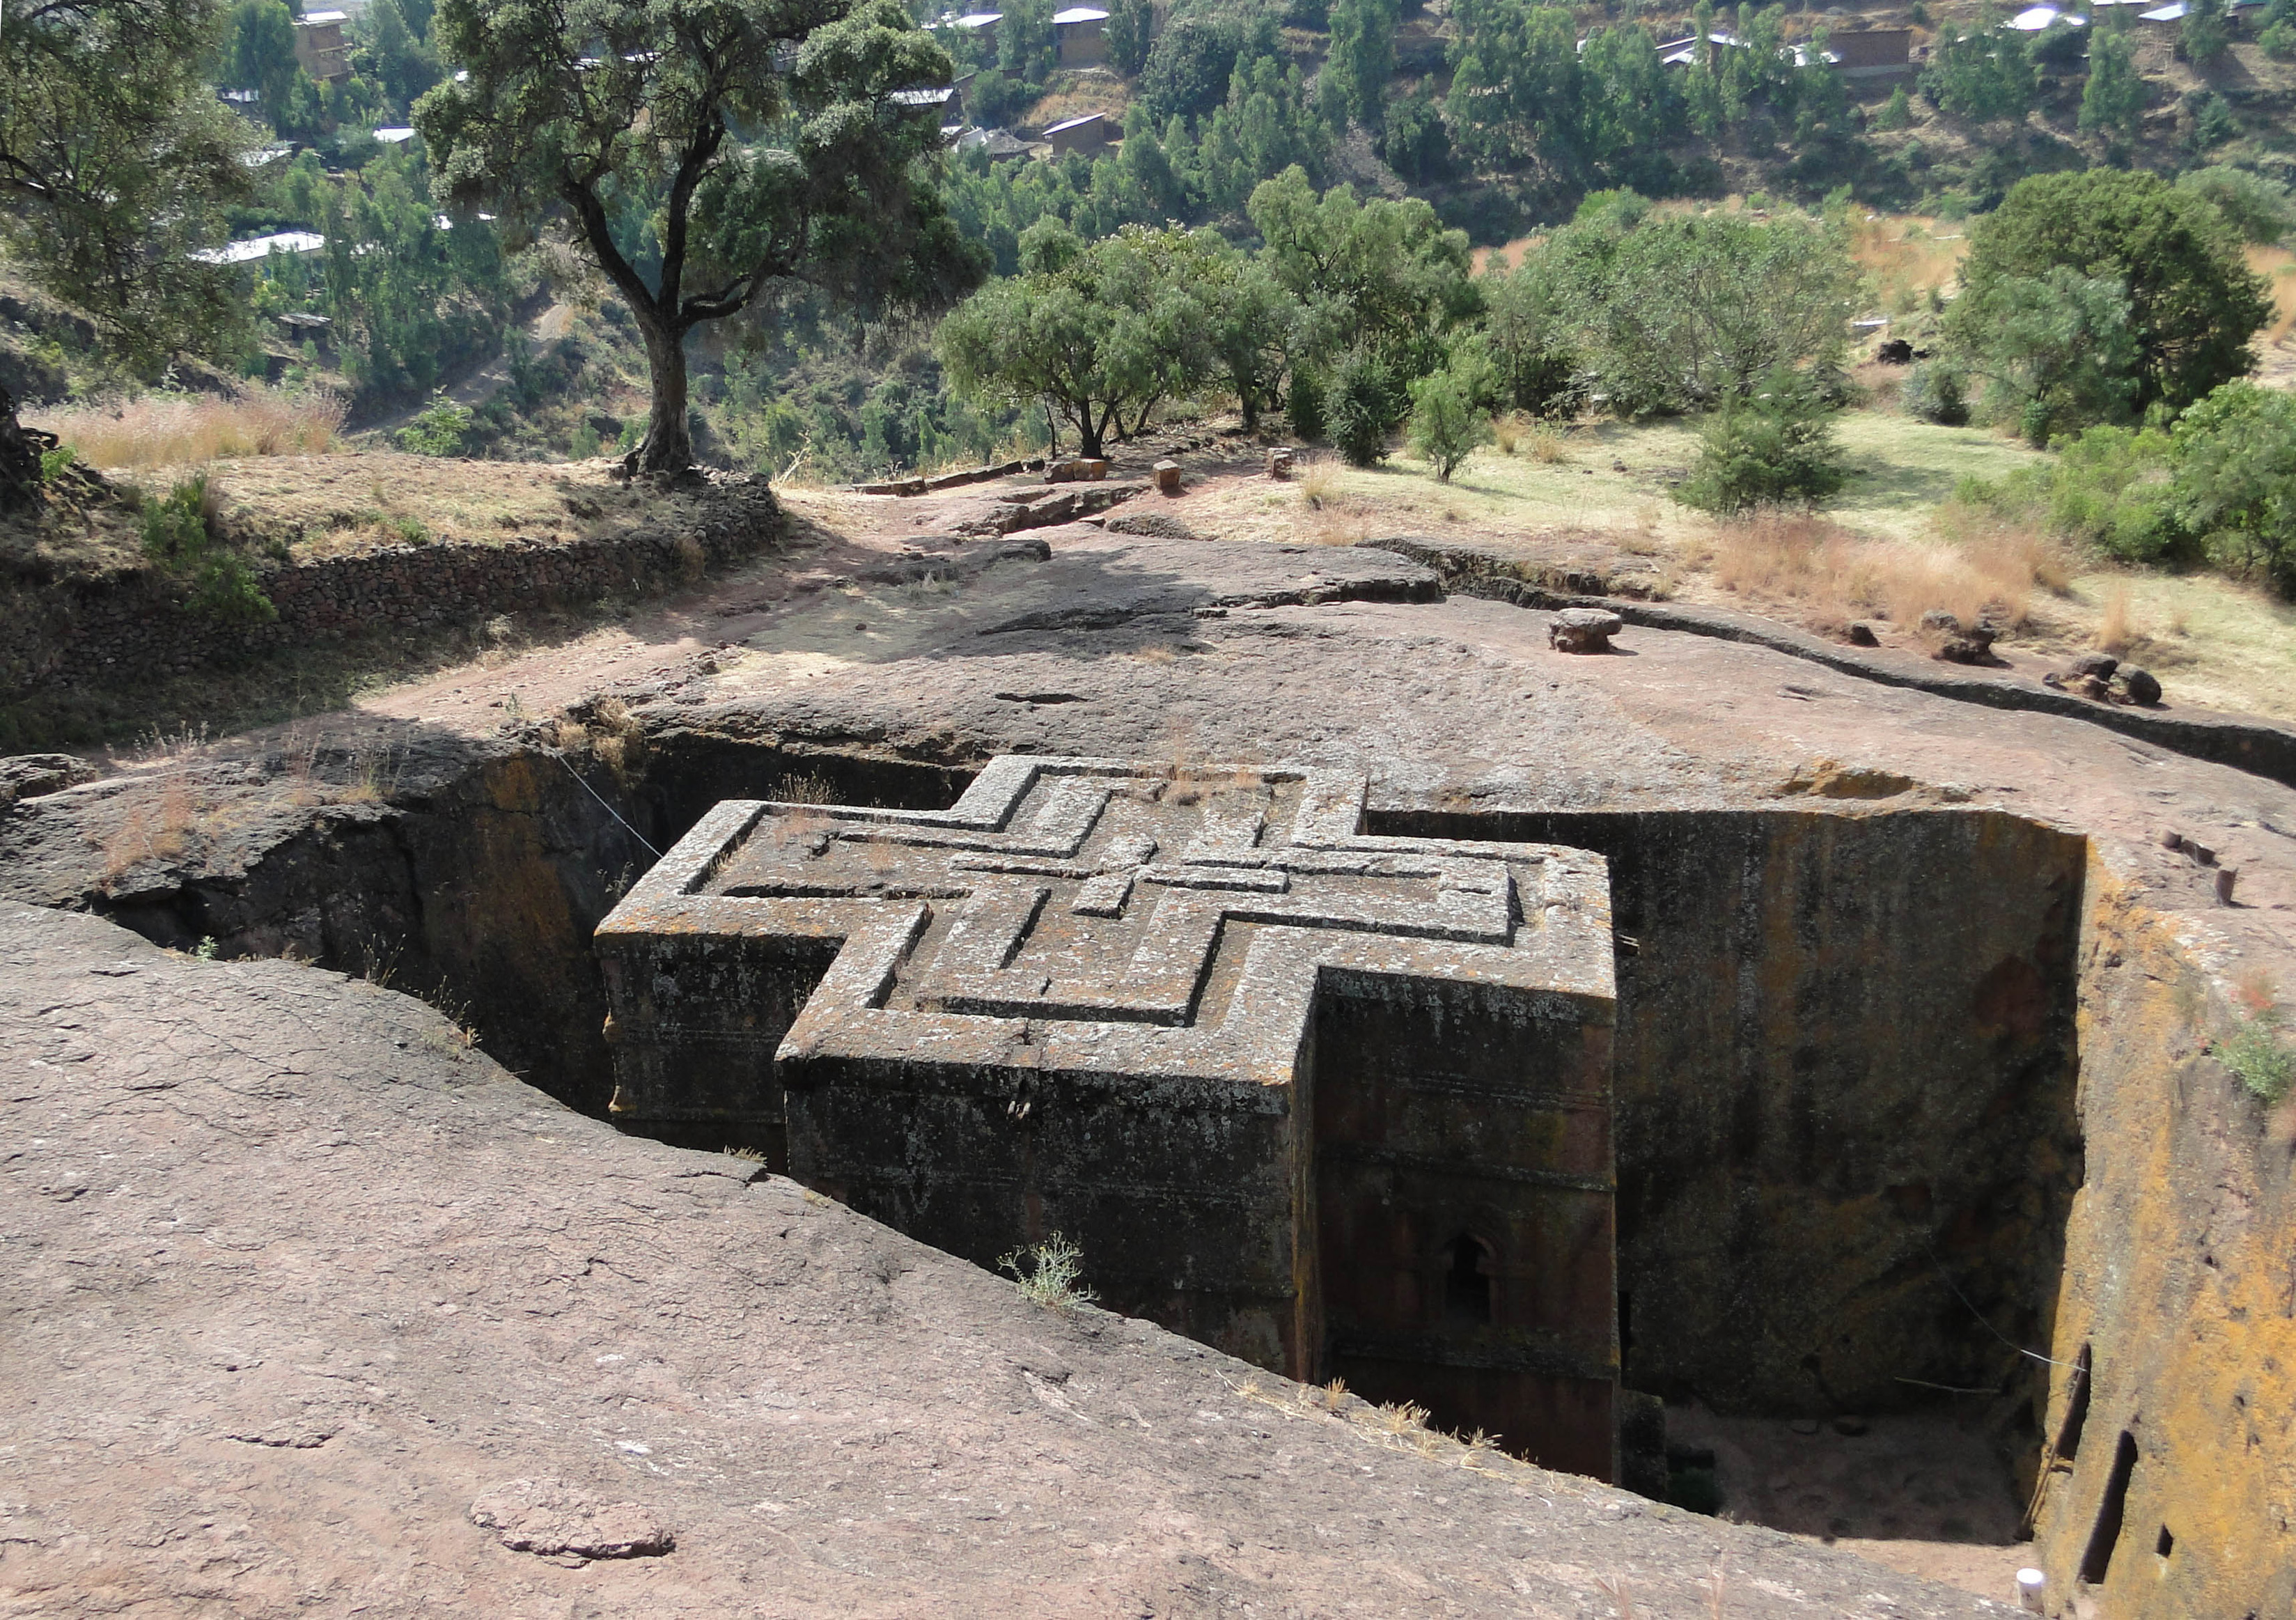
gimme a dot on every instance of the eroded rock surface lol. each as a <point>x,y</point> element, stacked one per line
<point>258,1200</point>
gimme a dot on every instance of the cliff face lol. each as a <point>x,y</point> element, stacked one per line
<point>2170,1482</point>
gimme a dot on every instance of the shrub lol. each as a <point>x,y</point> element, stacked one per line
<point>1444,425</point>
<point>1775,448</point>
<point>1361,409</point>
<point>1048,1273</point>
<point>1897,113</point>
<point>2110,489</point>
<point>179,534</point>
<point>1303,405</point>
<point>1936,391</point>
<point>440,430</point>
<point>2260,209</point>
<point>2234,485</point>
<point>54,462</point>
<point>2260,1060</point>
<point>2278,42</point>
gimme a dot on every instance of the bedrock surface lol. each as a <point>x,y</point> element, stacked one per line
<point>312,1310</point>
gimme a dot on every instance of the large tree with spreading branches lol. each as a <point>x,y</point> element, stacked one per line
<point>705,153</point>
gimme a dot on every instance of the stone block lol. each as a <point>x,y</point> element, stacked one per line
<point>1280,461</point>
<point>1336,1103</point>
<point>1167,477</point>
<point>1584,629</point>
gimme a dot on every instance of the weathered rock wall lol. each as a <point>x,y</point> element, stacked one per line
<point>1846,1142</point>
<point>76,632</point>
<point>2180,1291</point>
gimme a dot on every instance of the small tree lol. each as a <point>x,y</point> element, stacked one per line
<point>1444,424</point>
<point>703,152</point>
<point>1362,408</point>
<point>2203,33</point>
<point>2113,99</point>
<point>2056,348</point>
<point>1774,448</point>
<point>1100,331</point>
<point>1981,72</point>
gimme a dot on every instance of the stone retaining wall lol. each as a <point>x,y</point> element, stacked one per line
<point>94,631</point>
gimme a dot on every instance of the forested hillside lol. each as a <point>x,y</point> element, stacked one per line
<point>1492,118</point>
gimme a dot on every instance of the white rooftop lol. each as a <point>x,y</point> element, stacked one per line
<point>980,19</point>
<point>1079,13</point>
<point>326,16</point>
<point>393,135</point>
<point>252,248</point>
<point>2034,18</point>
<point>1089,118</point>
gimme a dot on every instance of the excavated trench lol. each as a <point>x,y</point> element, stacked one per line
<point>1845,1065</point>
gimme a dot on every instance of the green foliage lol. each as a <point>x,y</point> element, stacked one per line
<point>1354,81</point>
<point>1382,279</point>
<point>1129,32</point>
<point>179,534</point>
<point>1303,405</point>
<point>1773,447</point>
<point>1676,311</point>
<point>1363,407</point>
<point>443,430</point>
<point>53,463</point>
<point>1414,140</point>
<point>2193,302</point>
<point>2277,40</point>
<point>649,148</point>
<point>116,159</point>
<point>2110,489</point>
<point>1982,71</point>
<point>1049,1273</point>
<point>1936,391</point>
<point>1100,331</point>
<point>1527,336</point>
<point>2203,33</point>
<point>2113,99</point>
<point>1192,61</point>
<point>2058,347</point>
<point>1445,423</point>
<point>2234,456</point>
<point>2260,1058</point>
<point>2260,209</point>
<point>1897,113</point>
<point>2212,122</point>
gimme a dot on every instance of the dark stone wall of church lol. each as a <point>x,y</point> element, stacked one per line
<point>1461,1218</point>
<point>1847,1136</point>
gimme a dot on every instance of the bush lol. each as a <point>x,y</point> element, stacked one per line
<point>1775,448</point>
<point>2260,209</point>
<point>2261,1060</point>
<point>2234,484</point>
<point>2278,42</point>
<point>2110,489</point>
<point>1936,391</point>
<point>179,534</point>
<point>1303,405</point>
<point>443,430</point>
<point>1361,410</point>
<point>1444,424</point>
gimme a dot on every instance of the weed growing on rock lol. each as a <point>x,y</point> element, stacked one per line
<point>2264,1062</point>
<point>1048,1273</point>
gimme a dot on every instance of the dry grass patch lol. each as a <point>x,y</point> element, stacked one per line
<point>1907,256</point>
<point>1833,575</point>
<point>184,430</point>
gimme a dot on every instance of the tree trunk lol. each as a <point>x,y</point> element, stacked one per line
<point>19,457</point>
<point>1088,434</point>
<point>668,445</point>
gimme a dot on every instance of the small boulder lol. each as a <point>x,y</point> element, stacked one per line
<point>2140,686</point>
<point>1895,351</point>
<point>2100,664</point>
<point>554,1519</point>
<point>1584,629</point>
<point>1280,461</point>
<point>29,775</point>
<point>1861,635</point>
<point>1167,477</point>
